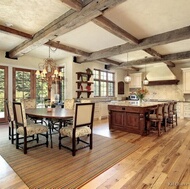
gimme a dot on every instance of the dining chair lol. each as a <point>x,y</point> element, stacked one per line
<point>155,118</point>
<point>25,130</point>
<point>11,120</point>
<point>172,113</point>
<point>82,126</point>
<point>166,116</point>
<point>31,103</point>
<point>69,104</point>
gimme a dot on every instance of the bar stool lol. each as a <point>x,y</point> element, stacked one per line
<point>172,113</point>
<point>166,115</point>
<point>155,118</point>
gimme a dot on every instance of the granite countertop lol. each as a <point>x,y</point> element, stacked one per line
<point>133,104</point>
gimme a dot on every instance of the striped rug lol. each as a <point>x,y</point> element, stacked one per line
<point>53,168</point>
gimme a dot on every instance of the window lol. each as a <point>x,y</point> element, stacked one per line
<point>62,86</point>
<point>23,84</point>
<point>3,91</point>
<point>26,85</point>
<point>104,83</point>
<point>41,90</point>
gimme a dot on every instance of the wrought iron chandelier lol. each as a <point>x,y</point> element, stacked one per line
<point>48,71</point>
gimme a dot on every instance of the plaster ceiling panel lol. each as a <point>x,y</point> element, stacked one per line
<point>147,18</point>
<point>8,42</point>
<point>170,48</point>
<point>43,52</point>
<point>90,37</point>
<point>30,16</point>
<point>131,56</point>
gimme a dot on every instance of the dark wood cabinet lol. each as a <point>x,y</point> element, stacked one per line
<point>128,118</point>
<point>83,84</point>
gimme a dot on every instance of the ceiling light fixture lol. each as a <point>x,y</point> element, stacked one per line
<point>48,71</point>
<point>145,81</point>
<point>127,78</point>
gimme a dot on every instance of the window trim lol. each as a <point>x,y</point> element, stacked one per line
<point>107,81</point>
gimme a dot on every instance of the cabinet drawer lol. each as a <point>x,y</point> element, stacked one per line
<point>118,108</point>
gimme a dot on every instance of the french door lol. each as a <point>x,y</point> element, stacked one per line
<point>3,92</point>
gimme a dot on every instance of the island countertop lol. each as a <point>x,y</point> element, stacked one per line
<point>129,117</point>
<point>134,103</point>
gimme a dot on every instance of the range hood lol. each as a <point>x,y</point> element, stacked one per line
<point>161,75</point>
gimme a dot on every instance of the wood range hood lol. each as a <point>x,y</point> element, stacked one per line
<point>161,75</point>
<point>163,82</point>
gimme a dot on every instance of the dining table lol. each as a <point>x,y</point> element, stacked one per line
<point>57,114</point>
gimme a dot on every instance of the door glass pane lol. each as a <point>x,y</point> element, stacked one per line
<point>2,93</point>
<point>22,85</point>
<point>41,90</point>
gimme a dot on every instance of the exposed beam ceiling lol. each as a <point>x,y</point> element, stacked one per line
<point>160,39</point>
<point>64,24</point>
<point>84,11</point>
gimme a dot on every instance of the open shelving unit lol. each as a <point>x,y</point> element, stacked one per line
<point>83,84</point>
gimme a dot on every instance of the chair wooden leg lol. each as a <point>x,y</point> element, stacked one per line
<point>17,140</point>
<point>91,141</point>
<point>73,146</point>
<point>165,124</point>
<point>12,135</point>
<point>159,128</point>
<point>148,128</point>
<point>25,144</point>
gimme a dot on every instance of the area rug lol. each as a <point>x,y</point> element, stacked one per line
<point>53,168</point>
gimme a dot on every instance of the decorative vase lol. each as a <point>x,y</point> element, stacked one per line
<point>140,100</point>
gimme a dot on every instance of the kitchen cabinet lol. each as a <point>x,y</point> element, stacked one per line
<point>186,78</point>
<point>83,84</point>
<point>136,80</point>
<point>186,110</point>
<point>101,110</point>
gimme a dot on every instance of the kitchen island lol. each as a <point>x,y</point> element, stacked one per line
<point>129,117</point>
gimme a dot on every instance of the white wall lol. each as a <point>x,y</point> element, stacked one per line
<point>70,72</point>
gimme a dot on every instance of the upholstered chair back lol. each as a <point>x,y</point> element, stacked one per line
<point>10,111</point>
<point>84,114</point>
<point>19,113</point>
<point>29,103</point>
<point>69,104</point>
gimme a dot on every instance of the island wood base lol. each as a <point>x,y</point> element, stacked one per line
<point>128,118</point>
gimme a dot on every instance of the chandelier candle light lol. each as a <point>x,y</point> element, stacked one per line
<point>48,71</point>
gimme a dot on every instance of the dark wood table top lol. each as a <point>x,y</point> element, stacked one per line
<point>56,113</point>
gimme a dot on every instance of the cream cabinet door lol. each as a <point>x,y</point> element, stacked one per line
<point>136,80</point>
<point>186,80</point>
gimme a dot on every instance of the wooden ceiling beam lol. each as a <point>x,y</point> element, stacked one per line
<point>73,4</point>
<point>168,57</point>
<point>21,34</point>
<point>160,39</point>
<point>55,44</point>
<point>114,29</point>
<point>119,32</point>
<point>65,23</point>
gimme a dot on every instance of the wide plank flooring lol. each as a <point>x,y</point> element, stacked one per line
<point>160,162</point>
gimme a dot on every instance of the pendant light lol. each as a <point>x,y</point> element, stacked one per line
<point>127,78</point>
<point>145,81</point>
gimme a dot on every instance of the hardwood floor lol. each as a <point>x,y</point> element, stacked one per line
<point>160,162</point>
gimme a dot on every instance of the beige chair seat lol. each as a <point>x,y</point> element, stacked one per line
<point>80,131</point>
<point>32,129</point>
<point>155,116</point>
